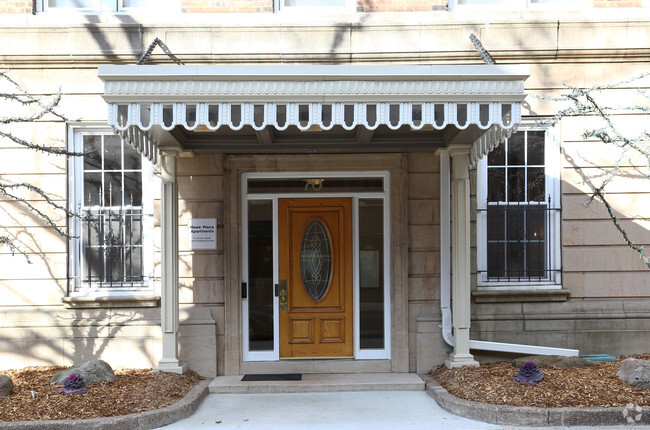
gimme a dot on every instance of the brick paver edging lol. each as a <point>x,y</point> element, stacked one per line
<point>138,421</point>
<point>529,416</point>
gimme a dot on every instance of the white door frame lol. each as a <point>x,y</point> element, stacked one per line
<point>359,354</point>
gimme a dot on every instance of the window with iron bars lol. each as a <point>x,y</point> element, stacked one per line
<point>113,231</point>
<point>94,6</point>
<point>519,216</point>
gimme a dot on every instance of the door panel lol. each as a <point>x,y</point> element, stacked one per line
<point>315,259</point>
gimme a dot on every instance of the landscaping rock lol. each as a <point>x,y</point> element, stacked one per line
<point>6,386</point>
<point>92,372</point>
<point>635,372</point>
<point>556,361</point>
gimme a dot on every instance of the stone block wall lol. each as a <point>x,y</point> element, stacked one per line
<point>426,345</point>
<point>201,272</point>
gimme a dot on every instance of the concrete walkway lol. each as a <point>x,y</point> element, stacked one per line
<point>377,410</point>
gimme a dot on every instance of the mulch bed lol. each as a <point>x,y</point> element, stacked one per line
<point>134,390</point>
<point>596,386</point>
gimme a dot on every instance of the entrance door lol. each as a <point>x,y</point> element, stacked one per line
<point>315,264</point>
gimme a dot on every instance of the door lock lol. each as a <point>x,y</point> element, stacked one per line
<point>284,299</point>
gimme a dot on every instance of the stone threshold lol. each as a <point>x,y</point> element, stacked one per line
<point>320,382</point>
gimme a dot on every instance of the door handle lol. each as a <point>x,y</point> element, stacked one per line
<point>276,290</point>
<point>244,290</point>
<point>284,299</point>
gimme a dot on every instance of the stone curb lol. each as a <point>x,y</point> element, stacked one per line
<point>530,416</point>
<point>138,421</point>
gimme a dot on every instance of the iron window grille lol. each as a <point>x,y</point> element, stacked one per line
<point>113,247</point>
<point>520,239</point>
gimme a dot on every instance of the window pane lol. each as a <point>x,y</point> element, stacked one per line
<point>260,275</point>
<point>536,148</point>
<point>133,264</point>
<point>316,260</point>
<point>515,258</point>
<point>535,260</point>
<point>498,156</point>
<point>535,222</point>
<point>496,226</point>
<point>515,222</point>
<point>90,4</point>
<point>297,185</point>
<point>112,189</point>
<point>495,259</point>
<point>496,185</point>
<point>132,160</point>
<point>112,153</point>
<point>134,226</point>
<point>92,161</point>
<point>143,3</point>
<point>95,5</point>
<point>292,3</point>
<point>93,270</point>
<point>512,2</point>
<point>371,273</point>
<point>133,188</point>
<point>92,189</point>
<point>516,185</point>
<point>516,150</point>
<point>536,184</point>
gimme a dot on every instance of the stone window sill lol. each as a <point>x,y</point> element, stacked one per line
<point>123,301</point>
<point>487,295</point>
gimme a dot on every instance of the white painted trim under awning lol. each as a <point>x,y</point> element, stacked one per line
<point>144,98</point>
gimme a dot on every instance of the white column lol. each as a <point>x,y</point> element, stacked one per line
<point>169,265</point>
<point>460,258</point>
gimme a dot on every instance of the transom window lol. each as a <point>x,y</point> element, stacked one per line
<point>519,211</point>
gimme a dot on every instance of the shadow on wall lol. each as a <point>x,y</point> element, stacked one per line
<point>57,336</point>
<point>591,242</point>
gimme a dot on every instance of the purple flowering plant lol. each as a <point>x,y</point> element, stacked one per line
<point>529,374</point>
<point>74,384</point>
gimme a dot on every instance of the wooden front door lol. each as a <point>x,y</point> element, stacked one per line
<point>315,262</point>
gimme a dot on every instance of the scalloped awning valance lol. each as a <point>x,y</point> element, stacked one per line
<point>141,99</point>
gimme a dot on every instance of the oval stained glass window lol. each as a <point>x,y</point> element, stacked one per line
<point>316,260</point>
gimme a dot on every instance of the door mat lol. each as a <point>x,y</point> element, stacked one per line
<point>273,377</point>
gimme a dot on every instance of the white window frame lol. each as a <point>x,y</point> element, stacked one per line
<point>350,6</point>
<point>359,354</point>
<point>553,168</point>
<point>78,287</point>
<point>160,6</point>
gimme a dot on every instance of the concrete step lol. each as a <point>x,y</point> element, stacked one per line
<point>324,382</point>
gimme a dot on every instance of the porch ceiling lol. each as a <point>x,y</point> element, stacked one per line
<point>280,108</point>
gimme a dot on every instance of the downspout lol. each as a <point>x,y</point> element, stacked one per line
<point>445,278</point>
<point>445,246</point>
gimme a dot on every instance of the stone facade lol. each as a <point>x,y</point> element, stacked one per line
<point>607,306</point>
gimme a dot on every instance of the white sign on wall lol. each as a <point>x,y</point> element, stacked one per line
<point>203,233</point>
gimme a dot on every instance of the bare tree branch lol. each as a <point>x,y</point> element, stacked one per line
<point>24,108</point>
<point>584,102</point>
